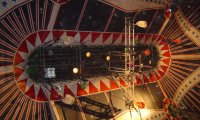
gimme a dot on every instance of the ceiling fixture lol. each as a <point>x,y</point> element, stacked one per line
<point>108,58</point>
<point>142,24</point>
<point>87,54</point>
<point>75,70</point>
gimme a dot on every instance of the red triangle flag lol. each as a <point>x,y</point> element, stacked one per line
<point>22,84</point>
<point>80,91</point>
<point>113,84</point>
<point>92,88</point>
<point>57,34</point>
<point>95,36</point>
<point>103,87</point>
<point>122,82</point>
<point>31,92</point>
<point>43,35</point>
<point>18,72</point>
<point>31,38</point>
<point>23,47</point>
<point>41,96</point>
<point>83,35</point>
<point>106,36</point>
<point>67,91</point>
<point>54,95</point>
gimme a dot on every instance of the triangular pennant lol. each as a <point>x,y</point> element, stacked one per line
<point>80,91</point>
<point>41,96</point>
<point>67,91</point>
<point>164,68</point>
<point>23,47</point>
<point>38,42</point>
<point>165,47</point>
<point>115,37</point>
<point>167,54</point>
<point>54,95</point>
<point>71,33</point>
<point>152,78</point>
<point>92,88</point>
<point>138,81</point>
<point>32,38</point>
<point>22,84</point>
<point>95,35</point>
<point>30,46</point>
<point>145,79</point>
<point>106,36</point>
<point>103,87</point>
<point>43,35</point>
<point>157,76</point>
<point>122,82</point>
<point>161,73</point>
<point>113,84</point>
<point>31,92</point>
<point>57,34</point>
<point>18,59</point>
<point>83,35</point>
<point>166,61</point>
<point>18,72</point>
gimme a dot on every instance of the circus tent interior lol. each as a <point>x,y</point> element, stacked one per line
<point>100,59</point>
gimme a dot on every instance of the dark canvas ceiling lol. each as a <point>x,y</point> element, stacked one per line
<point>97,16</point>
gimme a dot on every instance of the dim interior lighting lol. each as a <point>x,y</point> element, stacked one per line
<point>88,54</point>
<point>75,70</point>
<point>108,58</point>
<point>142,24</point>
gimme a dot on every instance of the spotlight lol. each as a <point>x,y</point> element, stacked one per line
<point>108,58</point>
<point>75,70</point>
<point>88,54</point>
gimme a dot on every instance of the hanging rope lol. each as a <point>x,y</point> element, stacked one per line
<point>81,110</point>
<point>109,103</point>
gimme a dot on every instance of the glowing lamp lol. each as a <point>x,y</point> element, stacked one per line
<point>140,105</point>
<point>75,70</point>
<point>142,24</point>
<point>147,52</point>
<point>108,58</point>
<point>88,54</point>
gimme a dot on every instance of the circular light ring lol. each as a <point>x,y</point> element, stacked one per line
<point>39,92</point>
<point>163,64</point>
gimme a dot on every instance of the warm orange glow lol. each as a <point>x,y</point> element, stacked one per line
<point>88,54</point>
<point>147,52</point>
<point>140,105</point>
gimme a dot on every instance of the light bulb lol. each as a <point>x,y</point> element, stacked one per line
<point>75,70</point>
<point>88,54</point>
<point>108,58</point>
